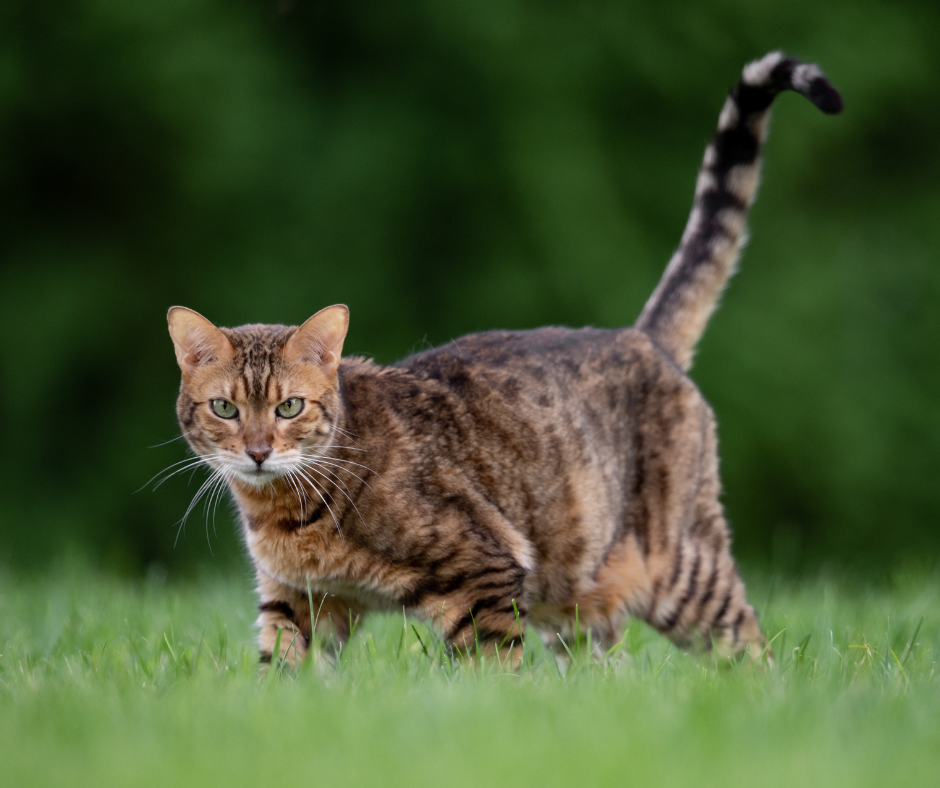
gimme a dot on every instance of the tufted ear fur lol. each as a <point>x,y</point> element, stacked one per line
<point>197,341</point>
<point>320,339</point>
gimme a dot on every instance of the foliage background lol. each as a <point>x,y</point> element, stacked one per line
<point>446,166</point>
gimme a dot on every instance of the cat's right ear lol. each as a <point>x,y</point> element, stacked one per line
<point>196,340</point>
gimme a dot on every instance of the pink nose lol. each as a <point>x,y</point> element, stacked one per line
<point>258,455</point>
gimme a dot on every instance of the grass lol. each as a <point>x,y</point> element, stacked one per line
<point>139,683</point>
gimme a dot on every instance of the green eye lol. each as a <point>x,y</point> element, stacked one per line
<point>224,409</point>
<point>290,408</point>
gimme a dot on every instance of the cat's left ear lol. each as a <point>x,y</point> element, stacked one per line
<point>320,339</point>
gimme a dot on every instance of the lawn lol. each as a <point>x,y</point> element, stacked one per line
<point>113,682</point>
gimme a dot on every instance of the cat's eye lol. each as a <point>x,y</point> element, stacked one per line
<point>224,409</point>
<point>290,408</point>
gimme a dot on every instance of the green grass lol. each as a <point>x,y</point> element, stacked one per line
<point>111,682</point>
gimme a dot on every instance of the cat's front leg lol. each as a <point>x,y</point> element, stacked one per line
<point>335,619</point>
<point>297,614</point>
<point>282,609</point>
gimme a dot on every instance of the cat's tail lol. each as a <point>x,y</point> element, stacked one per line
<point>676,313</point>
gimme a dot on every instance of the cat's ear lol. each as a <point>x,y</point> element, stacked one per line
<point>197,341</point>
<point>320,339</point>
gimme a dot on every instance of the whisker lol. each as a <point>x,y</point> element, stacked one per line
<point>307,463</point>
<point>338,459</point>
<point>300,473</point>
<point>340,446</point>
<point>344,491</point>
<point>199,458</point>
<point>202,491</point>
<point>349,436</point>
<point>206,505</point>
<point>317,491</point>
<point>186,459</point>
<point>228,477</point>
<point>199,493</point>
<point>324,463</point>
<point>323,469</point>
<point>291,481</point>
<point>213,503</point>
<point>195,465</point>
<point>177,438</point>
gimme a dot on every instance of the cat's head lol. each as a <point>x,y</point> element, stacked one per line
<point>256,399</point>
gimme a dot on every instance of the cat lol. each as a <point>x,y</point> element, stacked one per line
<point>507,478</point>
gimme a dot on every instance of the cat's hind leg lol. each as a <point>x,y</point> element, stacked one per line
<point>699,600</point>
<point>489,618</point>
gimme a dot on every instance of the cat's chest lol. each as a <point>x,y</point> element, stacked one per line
<point>297,555</point>
<point>325,560</point>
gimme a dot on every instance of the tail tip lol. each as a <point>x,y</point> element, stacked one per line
<point>776,72</point>
<point>825,96</point>
<point>808,79</point>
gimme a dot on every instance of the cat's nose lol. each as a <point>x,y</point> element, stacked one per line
<point>259,455</point>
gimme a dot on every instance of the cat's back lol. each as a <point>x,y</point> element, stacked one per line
<point>550,365</point>
<point>592,384</point>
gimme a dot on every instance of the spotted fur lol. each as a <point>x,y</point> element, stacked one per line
<point>507,478</point>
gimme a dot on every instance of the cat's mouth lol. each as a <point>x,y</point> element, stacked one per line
<point>261,475</point>
<point>258,476</point>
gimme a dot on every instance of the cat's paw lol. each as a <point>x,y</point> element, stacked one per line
<point>288,643</point>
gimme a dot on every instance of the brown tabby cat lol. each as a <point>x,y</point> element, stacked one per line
<point>506,478</point>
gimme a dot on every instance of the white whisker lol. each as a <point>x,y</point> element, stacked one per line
<point>191,466</point>
<point>195,461</point>
<point>317,491</point>
<point>312,482</point>
<point>228,479</point>
<point>217,495</point>
<point>207,505</point>
<point>199,493</point>
<point>339,459</point>
<point>319,461</point>
<point>349,436</point>
<point>340,446</point>
<point>325,467</point>
<point>171,440</point>
<point>344,490</point>
<point>300,498</point>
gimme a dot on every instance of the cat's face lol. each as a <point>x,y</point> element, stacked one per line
<point>255,401</point>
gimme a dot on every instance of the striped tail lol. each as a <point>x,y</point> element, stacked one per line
<point>678,310</point>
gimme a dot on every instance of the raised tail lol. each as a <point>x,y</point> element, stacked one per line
<point>678,310</point>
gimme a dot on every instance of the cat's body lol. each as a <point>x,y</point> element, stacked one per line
<point>507,477</point>
<point>554,468</point>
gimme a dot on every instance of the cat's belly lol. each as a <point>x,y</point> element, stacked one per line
<point>621,584</point>
<point>364,597</point>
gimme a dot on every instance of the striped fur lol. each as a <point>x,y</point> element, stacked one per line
<point>505,479</point>
<point>678,310</point>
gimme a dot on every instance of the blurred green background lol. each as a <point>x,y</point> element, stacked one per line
<point>449,166</point>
